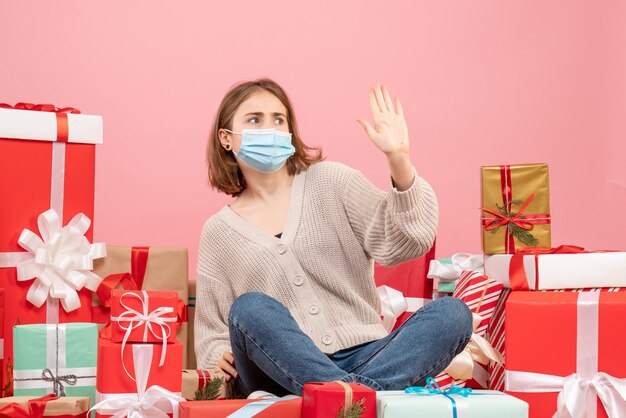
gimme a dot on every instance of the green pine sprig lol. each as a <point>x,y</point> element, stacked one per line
<point>521,234</point>
<point>210,391</point>
<point>354,410</point>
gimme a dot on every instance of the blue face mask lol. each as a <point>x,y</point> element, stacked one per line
<point>265,150</point>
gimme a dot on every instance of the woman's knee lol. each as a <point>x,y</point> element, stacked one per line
<point>248,307</point>
<point>458,315</point>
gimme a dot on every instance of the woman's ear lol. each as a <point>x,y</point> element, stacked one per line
<point>224,139</point>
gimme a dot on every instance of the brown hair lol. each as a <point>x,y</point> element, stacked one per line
<point>224,172</point>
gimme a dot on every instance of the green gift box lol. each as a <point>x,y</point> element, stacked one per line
<point>446,287</point>
<point>478,404</point>
<point>55,358</point>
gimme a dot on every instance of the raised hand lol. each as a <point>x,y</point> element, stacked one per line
<point>389,133</point>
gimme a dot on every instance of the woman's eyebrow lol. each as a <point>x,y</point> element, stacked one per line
<point>261,114</point>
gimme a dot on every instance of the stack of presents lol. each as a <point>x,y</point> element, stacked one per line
<point>107,331</point>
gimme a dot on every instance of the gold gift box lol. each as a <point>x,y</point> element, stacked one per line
<point>517,183</point>
<point>70,405</point>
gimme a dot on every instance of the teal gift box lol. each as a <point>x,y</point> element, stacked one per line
<point>55,358</point>
<point>478,404</point>
<point>446,287</point>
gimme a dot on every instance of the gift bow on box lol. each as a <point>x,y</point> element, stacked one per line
<point>393,304</point>
<point>455,394</point>
<point>146,319</point>
<point>579,391</point>
<point>56,372</point>
<point>460,262</point>
<point>477,350</point>
<point>60,261</point>
<point>36,408</point>
<point>153,402</point>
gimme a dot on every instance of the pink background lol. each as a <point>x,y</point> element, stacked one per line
<point>482,82</point>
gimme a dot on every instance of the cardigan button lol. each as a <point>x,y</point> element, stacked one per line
<point>298,281</point>
<point>314,309</point>
<point>327,339</point>
<point>282,249</point>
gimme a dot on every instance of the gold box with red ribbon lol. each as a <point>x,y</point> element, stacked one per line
<point>148,316</point>
<point>142,268</point>
<point>515,207</point>
<point>47,169</point>
<point>565,353</point>
<point>45,406</point>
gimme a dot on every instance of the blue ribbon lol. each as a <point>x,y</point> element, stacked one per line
<point>432,388</point>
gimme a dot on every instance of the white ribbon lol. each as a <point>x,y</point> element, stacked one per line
<point>478,350</point>
<point>460,262</point>
<point>393,304</point>
<point>146,319</point>
<point>578,392</point>
<point>60,261</point>
<point>155,402</point>
<point>254,408</point>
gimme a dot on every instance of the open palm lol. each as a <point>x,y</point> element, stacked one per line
<point>389,133</point>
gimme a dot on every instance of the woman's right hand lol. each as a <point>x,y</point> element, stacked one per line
<point>225,367</point>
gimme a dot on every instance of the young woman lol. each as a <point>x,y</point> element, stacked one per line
<point>286,293</point>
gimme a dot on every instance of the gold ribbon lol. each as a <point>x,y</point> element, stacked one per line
<point>348,393</point>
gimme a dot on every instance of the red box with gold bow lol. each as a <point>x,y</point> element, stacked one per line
<point>327,399</point>
<point>138,374</point>
<point>47,160</point>
<point>515,207</point>
<point>567,343</point>
<point>145,315</point>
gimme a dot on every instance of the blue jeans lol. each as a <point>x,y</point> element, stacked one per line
<point>273,354</point>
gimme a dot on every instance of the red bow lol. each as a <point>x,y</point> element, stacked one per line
<point>36,408</point>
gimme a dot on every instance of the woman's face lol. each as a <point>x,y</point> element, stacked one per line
<point>262,110</point>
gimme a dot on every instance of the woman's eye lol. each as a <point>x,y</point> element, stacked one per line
<point>278,121</point>
<point>253,120</point>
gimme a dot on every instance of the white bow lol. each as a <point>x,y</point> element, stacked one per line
<point>460,262</point>
<point>155,402</point>
<point>393,304</point>
<point>478,350</point>
<point>60,261</point>
<point>574,392</point>
<point>145,318</point>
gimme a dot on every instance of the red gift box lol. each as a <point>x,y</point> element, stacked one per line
<point>225,407</point>
<point>406,280</point>
<point>326,399</point>
<point>145,316</point>
<point>471,368</point>
<point>570,343</point>
<point>47,160</point>
<point>123,373</point>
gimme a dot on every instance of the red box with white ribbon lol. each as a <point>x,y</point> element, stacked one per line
<point>565,352</point>
<point>47,160</point>
<point>145,315</point>
<point>403,289</point>
<point>133,376</point>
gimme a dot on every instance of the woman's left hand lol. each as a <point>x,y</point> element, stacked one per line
<point>389,133</point>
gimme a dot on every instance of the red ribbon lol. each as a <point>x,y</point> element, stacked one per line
<point>36,408</point>
<point>63,129</point>
<point>139,263</point>
<point>520,219</point>
<point>203,378</point>
<point>517,273</point>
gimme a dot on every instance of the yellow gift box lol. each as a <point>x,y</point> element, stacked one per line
<point>515,207</point>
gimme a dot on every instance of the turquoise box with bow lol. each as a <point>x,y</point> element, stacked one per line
<point>55,358</point>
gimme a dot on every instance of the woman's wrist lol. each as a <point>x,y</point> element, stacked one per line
<point>402,171</point>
